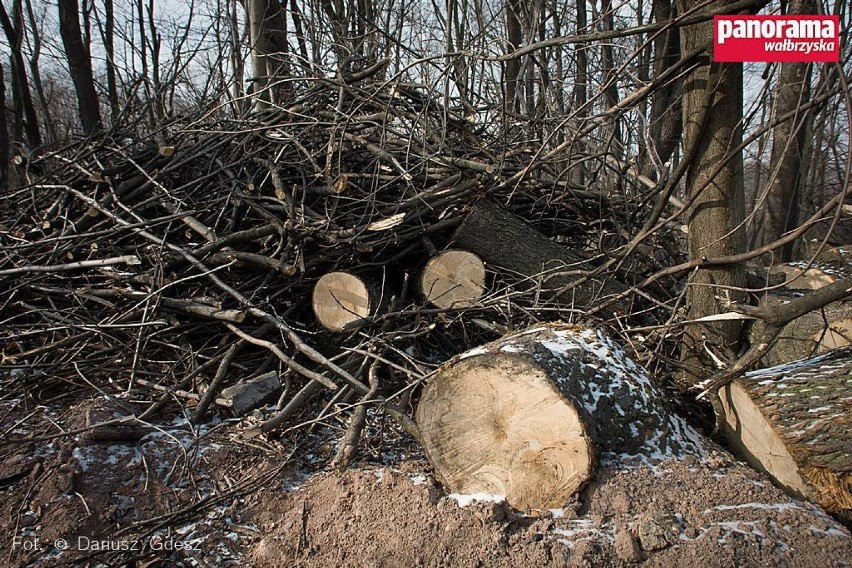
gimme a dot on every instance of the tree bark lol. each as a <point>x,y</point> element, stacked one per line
<point>527,416</point>
<point>259,53</point>
<point>4,135</point>
<point>712,115</point>
<point>507,243</point>
<point>514,37</point>
<point>666,122</point>
<point>109,48</point>
<point>79,65</point>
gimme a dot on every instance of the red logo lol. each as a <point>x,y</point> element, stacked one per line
<point>776,38</point>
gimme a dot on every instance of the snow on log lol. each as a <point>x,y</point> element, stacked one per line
<point>526,416</point>
<point>794,422</point>
<point>343,301</point>
<point>504,240</point>
<point>453,279</point>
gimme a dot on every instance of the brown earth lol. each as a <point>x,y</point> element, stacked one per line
<point>177,497</point>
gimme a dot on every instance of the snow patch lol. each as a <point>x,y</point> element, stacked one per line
<point>466,500</point>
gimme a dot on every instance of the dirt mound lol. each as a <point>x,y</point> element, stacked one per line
<point>177,495</point>
<point>711,513</point>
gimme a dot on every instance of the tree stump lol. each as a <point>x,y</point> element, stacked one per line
<point>527,415</point>
<point>794,422</point>
<point>343,301</point>
<point>453,279</point>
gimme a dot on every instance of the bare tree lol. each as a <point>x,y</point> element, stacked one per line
<point>4,134</point>
<point>782,201</point>
<point>665,121</point>
<point>80,65</point>
<point>26,118</point>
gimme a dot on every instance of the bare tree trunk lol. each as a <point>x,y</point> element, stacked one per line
<point>780,211</point>
<point>616,146</point>
<point>666,120</point>
<point>79,65</point>
<point>36,74</point>
<point>4,135</point>
<point>581,88</point>
<point>109,47</point>
<point>514,37</point>
<point>259,53</point>
<point>237,65</point>
<point>26,118</point>
<point>712,115</point>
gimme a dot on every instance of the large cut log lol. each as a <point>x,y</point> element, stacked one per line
<point>506,242</point>
<point>526,416</point>
<point>453,279</point>
<point>794,422</point>
<point>344,301</point>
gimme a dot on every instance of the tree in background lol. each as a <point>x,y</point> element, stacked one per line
<point>79,65</point>
<point>780,201</point>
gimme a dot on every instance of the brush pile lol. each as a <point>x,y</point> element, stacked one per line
<point>171,266</point>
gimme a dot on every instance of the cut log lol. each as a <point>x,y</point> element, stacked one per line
<point>526,416</point>
<point>343,301</point>
<point>794,422</point>
<point>453,279</point>
<point>506,242</point>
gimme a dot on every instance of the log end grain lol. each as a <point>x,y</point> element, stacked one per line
<point>342,301</point>
<point>453,279</point>
<point>792,421</point>
<point>498,426</point>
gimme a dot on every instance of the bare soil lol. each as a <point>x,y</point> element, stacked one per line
<point>183,497</point>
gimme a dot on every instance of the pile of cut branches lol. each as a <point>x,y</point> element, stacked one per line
<point>174,265</point>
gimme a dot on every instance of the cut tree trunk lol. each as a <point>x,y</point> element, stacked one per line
<point>526,416</point>
<point>343,301</point>
<point>794,422</point>
<point>453,279</point>
<point>506,242</point>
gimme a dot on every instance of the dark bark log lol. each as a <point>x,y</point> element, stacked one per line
<point>507,243</point>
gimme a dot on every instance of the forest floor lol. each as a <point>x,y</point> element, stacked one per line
<point>183,496</point>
